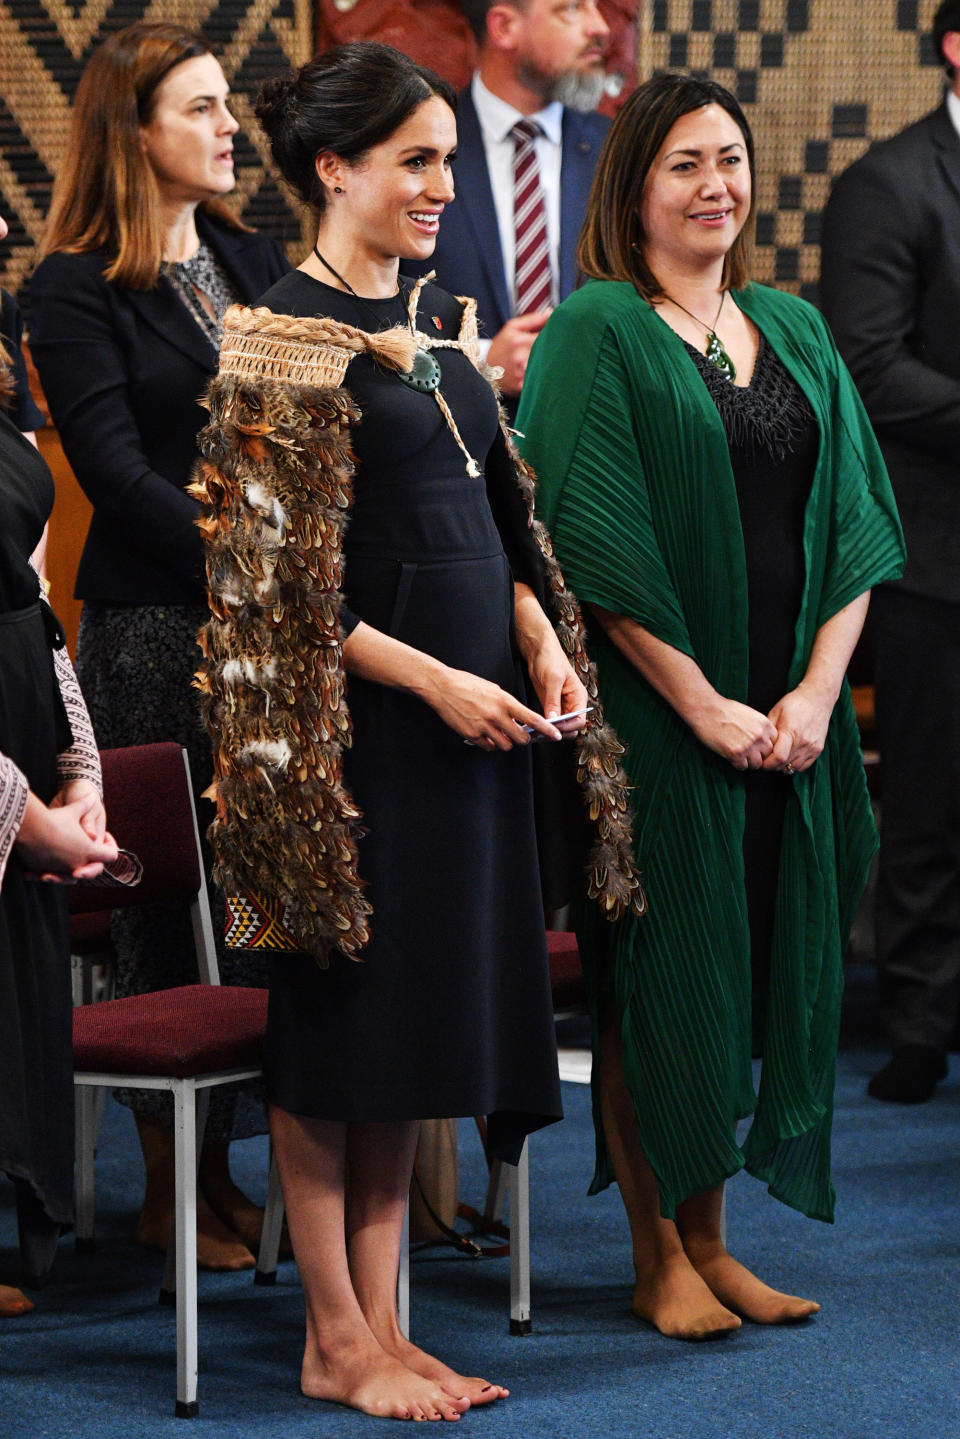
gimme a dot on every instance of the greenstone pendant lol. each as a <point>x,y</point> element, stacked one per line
<point>423,375</point>
<point>719,357</point>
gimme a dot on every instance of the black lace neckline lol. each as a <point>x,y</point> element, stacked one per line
<point>771,413</point>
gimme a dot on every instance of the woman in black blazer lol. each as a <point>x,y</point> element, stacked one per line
<point>141,258</point>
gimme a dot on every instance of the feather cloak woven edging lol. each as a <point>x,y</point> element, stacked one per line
<point>275,486</point>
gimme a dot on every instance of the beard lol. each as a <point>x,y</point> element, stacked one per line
<point>576,89</point>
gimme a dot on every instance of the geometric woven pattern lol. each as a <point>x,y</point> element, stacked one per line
<point>818,80</point>
<point>44,45</point>
<point>254,922</point>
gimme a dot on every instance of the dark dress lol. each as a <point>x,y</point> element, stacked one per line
<point>36,1073</point>
<point>449,1010</point>
<point>773,440</point>
<point>22,410</point>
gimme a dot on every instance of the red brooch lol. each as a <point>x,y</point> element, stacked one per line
<point>437,321</point>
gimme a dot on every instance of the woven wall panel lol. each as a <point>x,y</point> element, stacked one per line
<point>818,79</point>
<point>43,47</point>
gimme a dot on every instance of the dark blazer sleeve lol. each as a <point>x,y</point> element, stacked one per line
<point>77,319</point>
<point>123,372</point>
<point>879,255</point>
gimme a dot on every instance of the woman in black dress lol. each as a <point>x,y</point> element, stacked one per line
<point>52,829</point>
<point>449,1011</point>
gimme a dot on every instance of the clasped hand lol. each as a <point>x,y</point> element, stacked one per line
<point>789,738</point>
<point>67,839</point>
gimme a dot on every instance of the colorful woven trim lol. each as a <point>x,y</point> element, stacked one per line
<point>254,922</point>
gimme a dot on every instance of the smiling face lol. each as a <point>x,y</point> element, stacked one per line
<point>189,136</point>
<point>392,198</point>
<point>696,199</point>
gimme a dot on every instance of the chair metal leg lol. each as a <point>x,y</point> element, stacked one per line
<point>723,1218</point>
<point>168,1284</point>
<point>403,1276</point>
<point>266,1270</point>
<point>86,1126</point>
<point>496,1192</point>
<point>519,1180</point>
<point>185,1204</point>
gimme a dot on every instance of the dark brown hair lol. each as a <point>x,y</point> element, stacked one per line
<point>611,244</point>
<point>106,196</point>
<point>346,101</point>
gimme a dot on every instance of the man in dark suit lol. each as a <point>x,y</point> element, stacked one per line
<point>540,60</point>
<point>891,292</point>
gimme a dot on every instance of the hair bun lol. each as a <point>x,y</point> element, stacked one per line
<point>275,103</point>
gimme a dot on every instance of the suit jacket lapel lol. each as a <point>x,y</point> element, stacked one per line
<point>579,159</point>
<point>239,254</point>
<point>163,310</point>
<point>476,199</point>
<point>947,143</point>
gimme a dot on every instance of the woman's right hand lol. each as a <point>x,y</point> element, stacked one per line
<point>54,842</point>
<point>737,733</point>
<point>482,712</point>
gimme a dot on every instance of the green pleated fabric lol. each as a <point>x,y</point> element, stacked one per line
<point>637,491</point>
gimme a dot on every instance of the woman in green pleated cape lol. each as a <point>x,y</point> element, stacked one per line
<point>637,491</point>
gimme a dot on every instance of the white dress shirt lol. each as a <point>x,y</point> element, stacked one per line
<point>953,109</point>
<point>497,119</point>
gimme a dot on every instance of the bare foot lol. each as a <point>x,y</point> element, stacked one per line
<point>13,1302</point>
<point>457,1386</point>
<point>218,1248</point>
<point>680,1304</point>
<point>734,1284</point>
<point>366,1378</point>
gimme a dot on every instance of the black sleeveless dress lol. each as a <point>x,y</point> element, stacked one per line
<point>449,1010</point>
<point>773,439</point>
<point>36,1070</point>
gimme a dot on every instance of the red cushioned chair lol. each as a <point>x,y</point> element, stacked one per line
<point>184,1040</point>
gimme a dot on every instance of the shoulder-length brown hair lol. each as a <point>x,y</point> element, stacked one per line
<point>106,196</point>
<point>612,242</point>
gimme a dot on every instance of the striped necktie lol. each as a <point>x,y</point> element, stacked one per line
<point>532,276</point>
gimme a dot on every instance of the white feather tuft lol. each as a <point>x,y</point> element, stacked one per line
<point>273,752</point>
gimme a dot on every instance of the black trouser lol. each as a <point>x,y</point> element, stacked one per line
<point>918,883</point>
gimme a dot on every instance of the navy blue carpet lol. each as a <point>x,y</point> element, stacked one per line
<point>96,1358</point>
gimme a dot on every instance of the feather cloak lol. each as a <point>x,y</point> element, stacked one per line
<point>275,487</point>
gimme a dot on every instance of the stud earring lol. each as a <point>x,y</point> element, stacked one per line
<point>338,189</point>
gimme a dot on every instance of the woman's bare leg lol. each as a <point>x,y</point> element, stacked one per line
<point>229,1203</point>
<point>343,1360</point>
<point>376,1199</point>
<point>669,1292</point>
<point>698,1223</point>
<point>218,1248</point>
